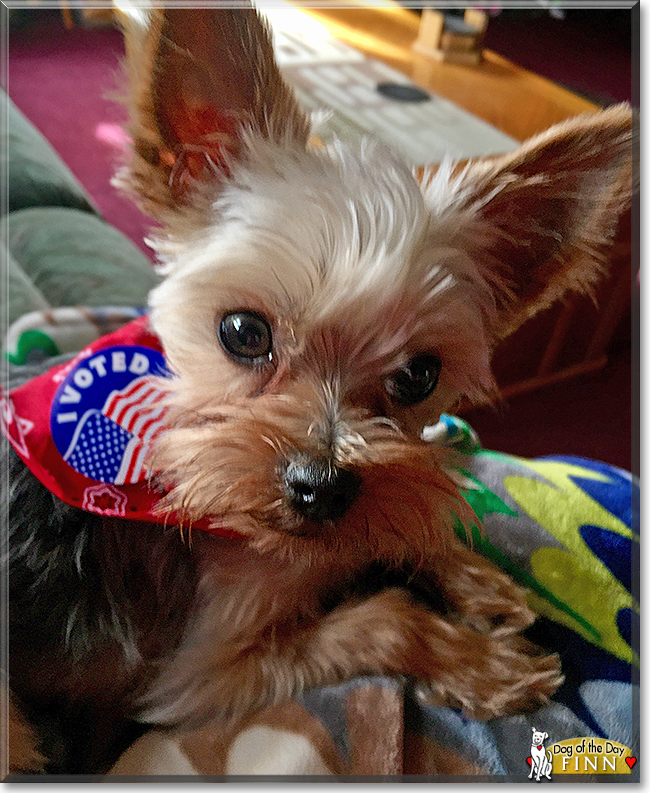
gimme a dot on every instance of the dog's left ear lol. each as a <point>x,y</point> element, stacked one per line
<point>538,222</point>
<point>198,77</point>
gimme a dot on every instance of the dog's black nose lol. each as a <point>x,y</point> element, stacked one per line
<point>319,490</point>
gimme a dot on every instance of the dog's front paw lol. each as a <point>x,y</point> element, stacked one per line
<point>494,604</point>
<point>482,596</point>
<point>499,676</point>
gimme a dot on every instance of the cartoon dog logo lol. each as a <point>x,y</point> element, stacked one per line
<point>540,759</point>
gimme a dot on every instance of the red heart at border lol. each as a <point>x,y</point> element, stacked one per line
<point>631,761</point>
<point>529,760</point>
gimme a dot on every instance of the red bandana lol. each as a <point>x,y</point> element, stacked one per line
<point>84,428</point>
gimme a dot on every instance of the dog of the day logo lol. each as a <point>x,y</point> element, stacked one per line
<point>540,760</point>
<point>578,756</point>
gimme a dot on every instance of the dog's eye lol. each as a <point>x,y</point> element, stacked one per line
<point>246,336</point>
<point>416,381</point>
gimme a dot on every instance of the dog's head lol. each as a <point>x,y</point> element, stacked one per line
<point>322,306</point>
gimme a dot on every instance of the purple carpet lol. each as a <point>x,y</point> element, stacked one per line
<point>61,80</point>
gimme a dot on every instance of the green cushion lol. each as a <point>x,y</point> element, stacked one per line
<point>36,174</point>
<point>75,258</point>
<point>22,296</point>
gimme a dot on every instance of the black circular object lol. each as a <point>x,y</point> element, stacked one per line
<point>416,381</point>
<point>246,337</point>
<point>402,93</point>
<point>320,490</point>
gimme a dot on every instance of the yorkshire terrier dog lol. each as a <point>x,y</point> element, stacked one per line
<point>321,306</point>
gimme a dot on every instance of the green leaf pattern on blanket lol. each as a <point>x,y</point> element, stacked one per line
<point>484,501</point>
<point>570,584</point>
<point>562,507</point>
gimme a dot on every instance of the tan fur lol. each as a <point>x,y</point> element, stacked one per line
<point>277,648</point>
<point>356,271</point>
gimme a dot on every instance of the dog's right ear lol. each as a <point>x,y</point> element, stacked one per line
<point>198,77</point>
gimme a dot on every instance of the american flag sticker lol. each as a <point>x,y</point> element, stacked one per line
<point>107,411</point>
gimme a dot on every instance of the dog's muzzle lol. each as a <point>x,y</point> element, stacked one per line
<point>319,490</point>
